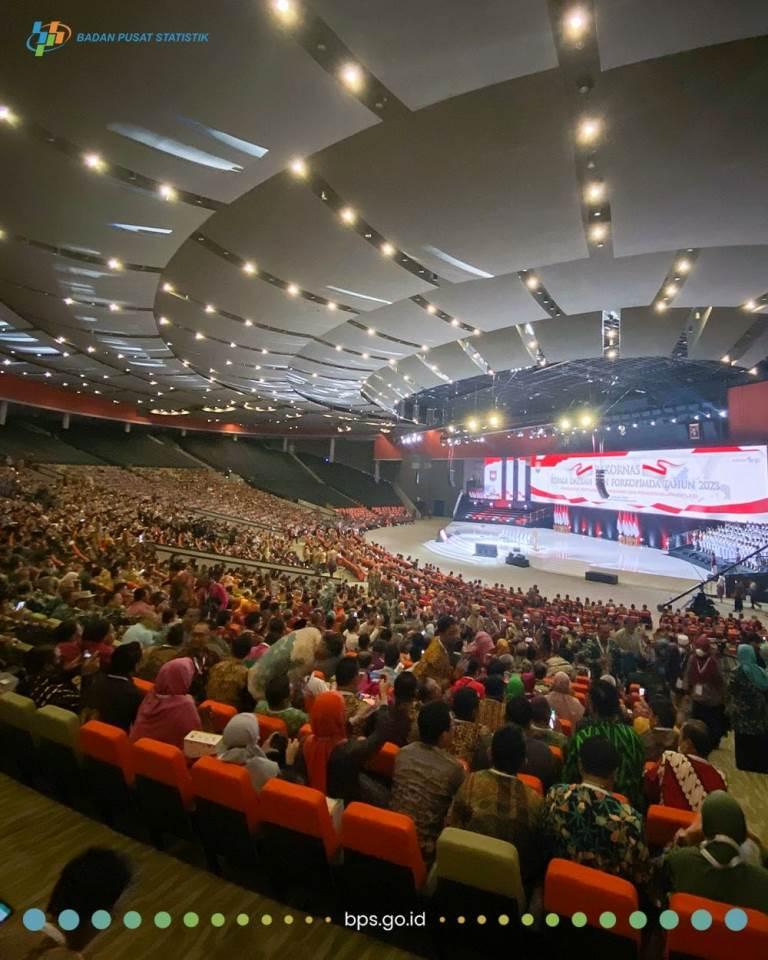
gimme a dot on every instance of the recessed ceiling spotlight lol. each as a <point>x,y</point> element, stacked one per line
<point>209,308</point>
<point>725,359</point>
<point>285,11</point>
<point>371,331</point>
<point>589,130</point>
<point>611,354</point>
<point>575,23</point>
<point>660,306</point>
<point>366,356</point>
<point>199,336</point>
<point>114,264</point>
<point>670,289</point>
<point>476,332</point>
<point>7,115</point>
<point>598,232</point>
<point>249,323</point>
<point>387,249</point>
<point>167,288</point>
<point>455,322</point>
<point>750,305</point>
<point>331,305</point>
<point>348,215</point>
<point>595,191</point>
<point>298,167</point>
<point>90,350</point>
<point>683,266</point>
<point>163,321</point>
<point>431,308</point>
<point>167,192</point>
<point>352,77</point>
<point>292,290</point>
<point>114,307</point>
<point>93,161</point>
<point>532,282</point>
<point>249,268</point>
<point>69,301</point>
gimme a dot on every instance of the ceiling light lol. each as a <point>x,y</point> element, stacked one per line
<point>209,308</point>
<point>565,424</point>
<point>114,307</point>
<point>264,350</point>
<point>431,308</point>
<point>167,288</point>
<point>331,305</point>
<point>348,215</point>
<point>533,344</point>
<point>586,420</point>
<point>750,305</point>
<point>611,354</point>
<point>249,268</point>
<point>598,232</point>
<point>352,77</point>
<point>249,323</point>
<point>725,359</point>
<point>472,424</point>
<point>338,347</point>
<point>589,130</point>
<point>683,266</point>
<point>576,23</point>
<point>371,331</point>
<point>7,115</point>
<point>595,191</point>
<point>91,350</point>
<point>476,332</point>
<point>285,10</point>
<point>292,290</point>
<point>753,371</point>
<point>660,306</point>
<point>670,289</point>
<point>387,249</point>
<point>532,282</point>
<point>199,336</point>
<point>69,301</point>
<point>114,264</point>
<point>494,420</point>
<point>167,192</point>
<point>93,161</point>
<point>163,321</point>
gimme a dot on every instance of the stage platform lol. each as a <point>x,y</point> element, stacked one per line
<point>548,548</point>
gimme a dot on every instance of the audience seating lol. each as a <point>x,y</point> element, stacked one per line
<point>662,823</point>
<point>108,766</point>
<point>17,741</point>
<point>163,789</point>
<point>718,942</point>
<point>143,686</point>
<point>381,854</point>
<point>383,761</point>
<point>533,782</point>
<point>570,887</point>
<point>221,713</point>
<point>227,811</point>
<point>58,751</point>
<point>475,874</point>
<point>270,725</point>
<point>566,727</point>
<point>556,752</point>
<point>297,840</point>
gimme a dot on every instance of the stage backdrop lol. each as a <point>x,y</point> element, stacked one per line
<point>708,483</point>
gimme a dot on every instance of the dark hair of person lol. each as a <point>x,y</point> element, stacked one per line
<point>277,690</point>
<point>494,687</point>
<point>496,668</point>
<point>540,709</point>
<point>433,721</point>
<point>95,631</point>
<point>508,749</point>
<point>406,687</point>
<point>540,670</point>
<point>38,659</point>
<point>175,635</point>
<point>444,623</point>
<point>125,659</point>
<point>697,733</point>
<point>139,594</point>
<point>346,670</point>
<point>334,644</point>
<point>472,668</point>
<point>465,702</point>
<point>604,698</point>
<point>391,655</point>
<point>241,645</point>
<point>64,631</point>
<point>598,756</point>
<point>518,710</point>
<point>664,711</point>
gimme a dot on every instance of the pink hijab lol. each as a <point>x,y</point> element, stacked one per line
<point>480,648</point>
<point>565,705</point>
<point>168,713</point>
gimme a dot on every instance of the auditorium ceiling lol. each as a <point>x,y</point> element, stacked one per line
<point>318,210</point>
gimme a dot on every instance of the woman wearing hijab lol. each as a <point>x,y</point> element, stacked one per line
<point>240,744</point>
<point>718,859</point>
<point>293,654</point>
<point>748,690</point>
<point>515,687</point>
<point>332,764</point>
<point>562,701</point>
<point>168,712</point>
<point>704,682</point>
<point>481,647</point>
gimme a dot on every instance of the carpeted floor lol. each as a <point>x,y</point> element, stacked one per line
<point>38,836</point>
<point>750,789</point>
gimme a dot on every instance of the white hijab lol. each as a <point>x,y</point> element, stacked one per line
<point>240,744</point>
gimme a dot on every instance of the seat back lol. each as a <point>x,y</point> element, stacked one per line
<point>17,740</point>
<point>106,744</point>
<point>163,788</point>
<point>302,810</point>
<point>662,823</point>
<point>717,942</point>
<point>143,686</point>
<point>556,752</point>
<point>221,713</point>
<point>228,785</point>
<point>566,727</point>
<point>382,838</point>
<point>533,782</point>
<point>58,749</point>
<point>570,887</point>
<point>270,725</point>
<point>383,761</point>
<point>479,863</point>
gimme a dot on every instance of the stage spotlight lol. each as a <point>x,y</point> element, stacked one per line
<point>565,424</point>
<point>472,424</point>
<point>494,420</point>
<point>451,428</point>
<point>586,420</point>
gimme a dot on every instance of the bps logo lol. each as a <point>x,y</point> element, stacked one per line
<point>46,37</point>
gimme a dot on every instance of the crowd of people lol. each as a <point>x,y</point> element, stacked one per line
<point>730,543</point>
<point>551,723</point>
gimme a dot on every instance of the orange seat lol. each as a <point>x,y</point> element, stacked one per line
<point>226,784</point>
<point>162,763</point>
<point>717,942</point>
<point>384,836</point>
<point>383,761</point>
<point>566,727</point>
<point>533,782</point>
<point>221,713</point>
<point>650,767</point>
<point>143,686</point>
<point>571,887</point>
<point>581,697</point>
<point>305,730</point>
<point>662,823</point>
<point>108,744</point>
<point>299,809</point>
<point>621,798</point>
<point>270,725</point>
<point>556,752</point>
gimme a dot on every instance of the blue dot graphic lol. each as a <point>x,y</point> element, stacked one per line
<point>736,920</point>
<point>701,920</point>
<point>101,919</point>
<point>669,919</point>
<point>69,920</point>
<point>132,920</point>
<point>34,920</point>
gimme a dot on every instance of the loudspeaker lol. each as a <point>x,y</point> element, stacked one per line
<point>599,577</point>
<point>486,550</point>
<point>517,560</point>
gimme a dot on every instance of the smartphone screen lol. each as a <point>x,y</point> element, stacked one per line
<point>552,719</point>
<point>5,911</point>
<point>20,605</point>
<point>642,691</point>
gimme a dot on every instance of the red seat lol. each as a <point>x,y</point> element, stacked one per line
<point>304,730</point>
<point>226,784</point>
<point>581,696</point>
<point>384,836</point>
<point>556,752</point>
<point>533,782</point>
<point>383,761</point>
<point>718,942</point>
<point>221,713</point>
<point>299,809</point>
<point>566,727</point>
<point>571,887</point>
<point>270,725</point>
<point>662,823</point>
<point>108,744</point>
<point>162,763</point>
<point>143,686</point>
